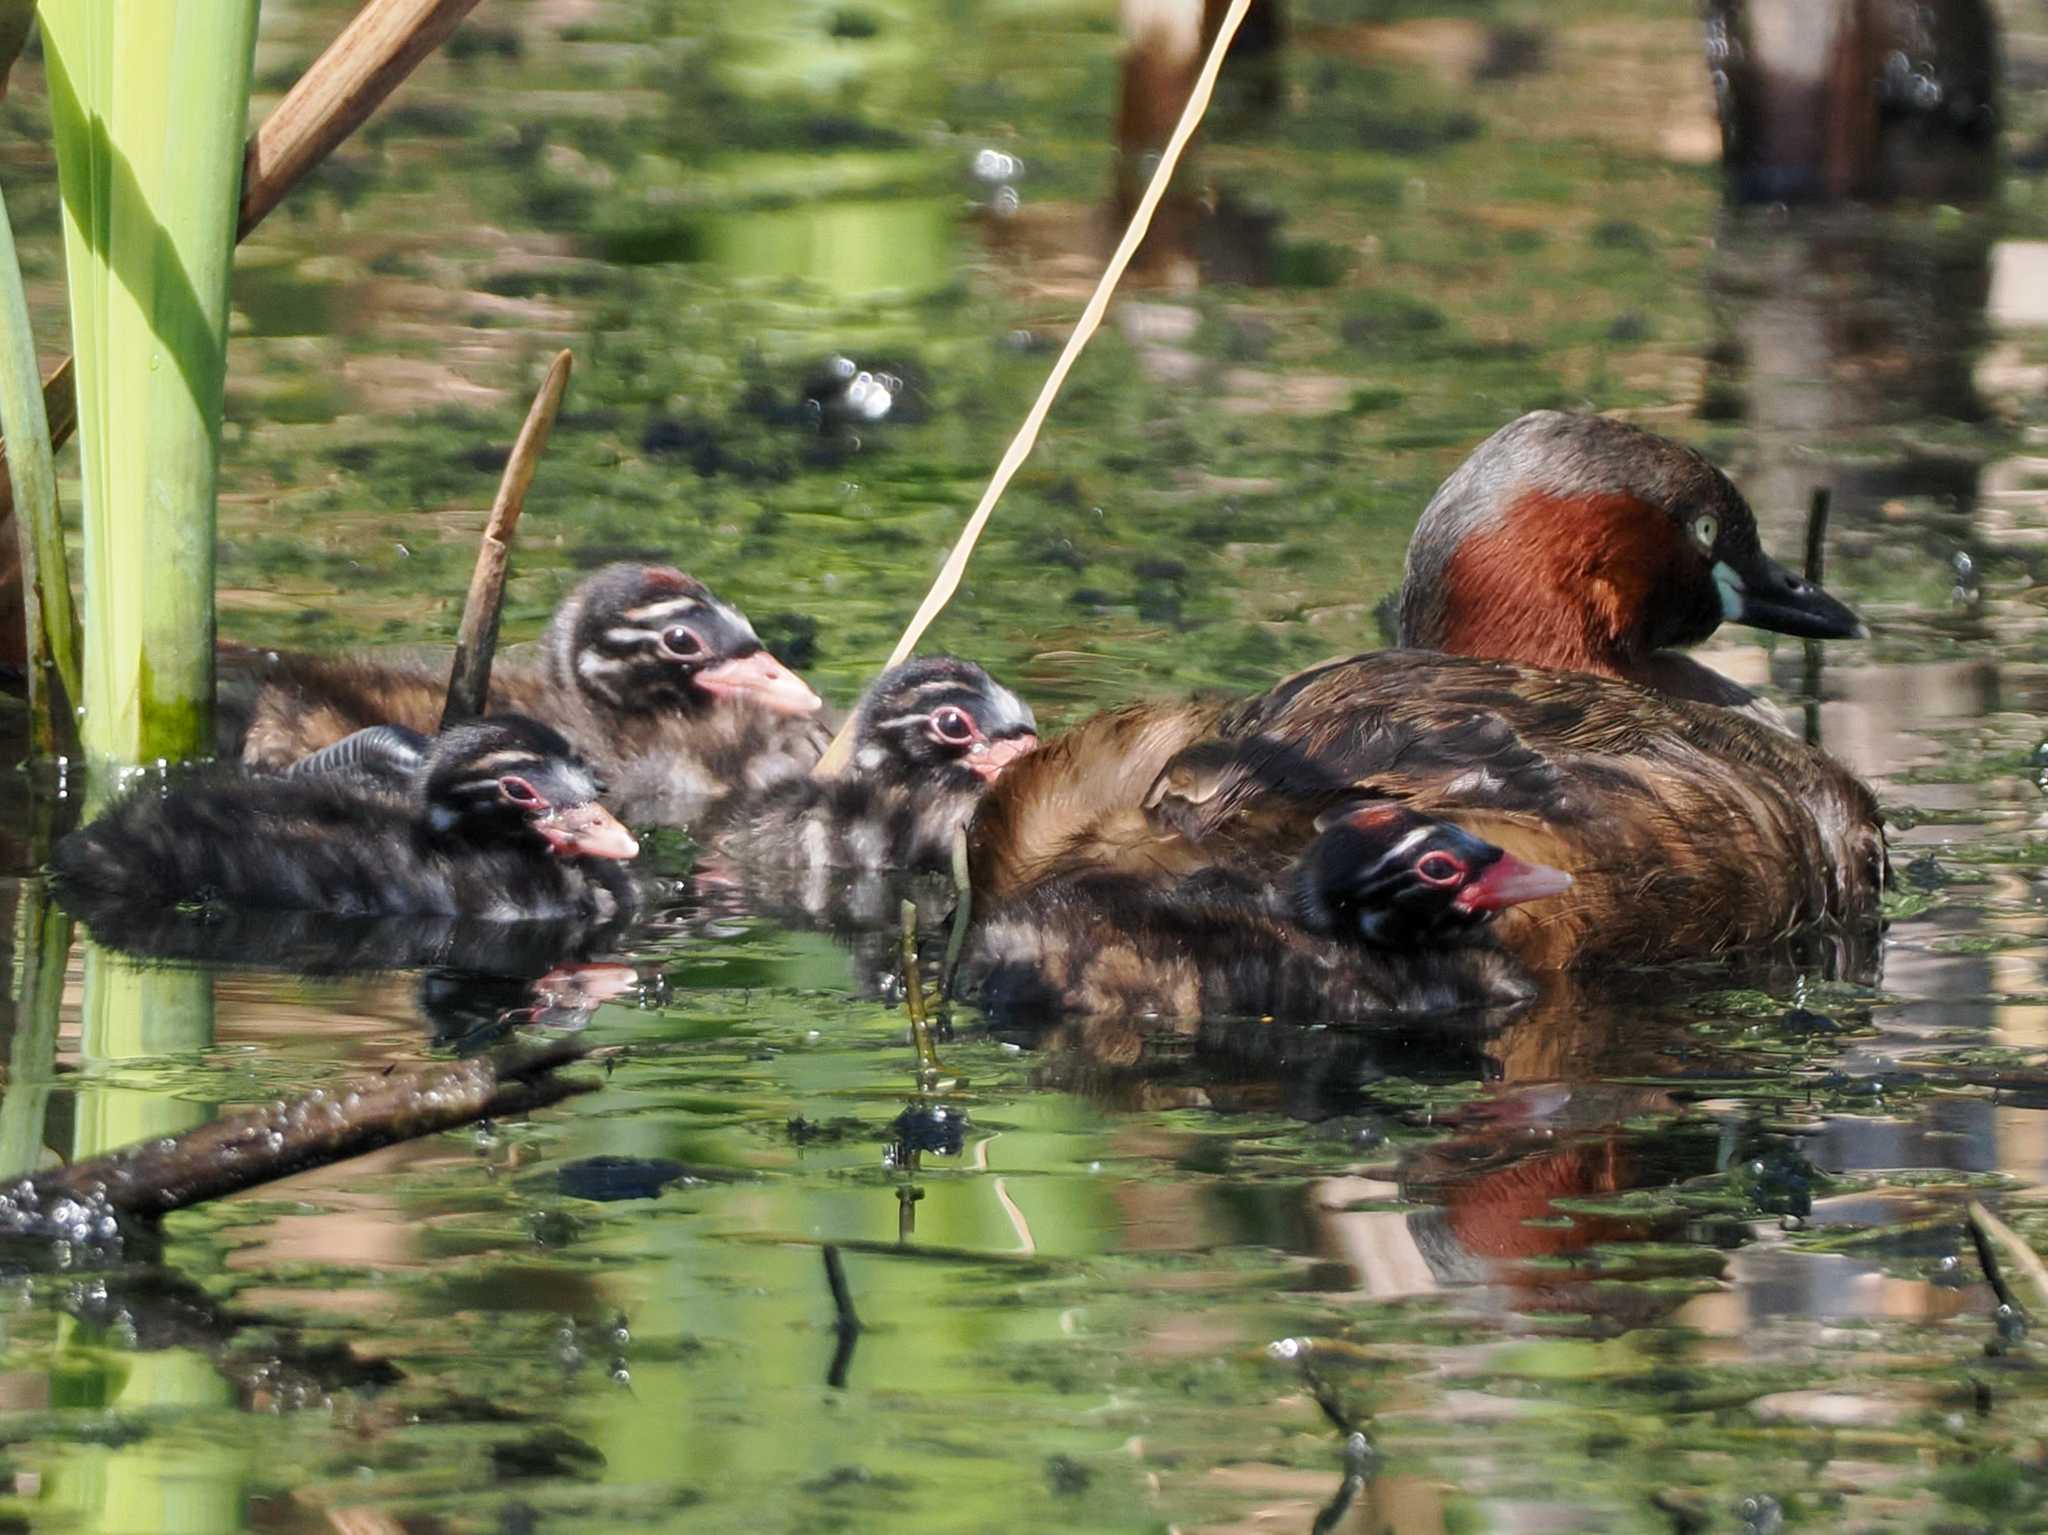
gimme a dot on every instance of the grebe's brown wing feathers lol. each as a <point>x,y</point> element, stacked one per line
<point>1598,778</point>
<point>1070,802</point>
<point>307,703</point>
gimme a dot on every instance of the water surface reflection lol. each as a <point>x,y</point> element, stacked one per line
<point>1684,1252</point>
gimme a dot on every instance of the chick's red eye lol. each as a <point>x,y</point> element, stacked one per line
<point>521,793</point>
<point>1439,869</point>
<point>953,727</point>
<point>679,641</point>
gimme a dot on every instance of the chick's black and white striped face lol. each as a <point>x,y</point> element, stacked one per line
<point>942,717</point>
<point>647,638</point>
<point>510,778</point>
<point>1398,879</point>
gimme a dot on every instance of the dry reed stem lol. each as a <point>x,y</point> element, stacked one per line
<point>948,582</point>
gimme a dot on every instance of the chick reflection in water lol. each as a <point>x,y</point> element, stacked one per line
<point>1386,912</point>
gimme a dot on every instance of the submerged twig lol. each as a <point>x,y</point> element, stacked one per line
<point>963,915</point>
<point>948,581</point>
<point>1987,1229</point>
<point>469,679</point>
<point>151,1179</point>
<point>845,1322</point>
<point>1816,540</point>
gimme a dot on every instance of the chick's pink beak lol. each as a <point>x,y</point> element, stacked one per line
<point>763,680</point>
<point>1000,754</point>
<point>585,831</point>
<point>1511,881</point>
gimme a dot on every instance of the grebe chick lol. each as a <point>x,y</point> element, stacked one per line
<point>930,737</point>
<point>1386,912</point>
<point>665,689</point>
<point>498,821</point>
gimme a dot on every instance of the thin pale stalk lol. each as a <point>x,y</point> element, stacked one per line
<point>948,582</point>
<point>149,105</point>
<point>963,915</point>
<point>53,641</point>
<point>469,679</point>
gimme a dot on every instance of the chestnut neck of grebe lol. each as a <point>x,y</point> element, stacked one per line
<point>1586,544</point>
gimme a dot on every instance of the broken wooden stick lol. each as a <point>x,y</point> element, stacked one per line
<point>469,679</point>
<point>845,1322</point>
<point>90,1199</point>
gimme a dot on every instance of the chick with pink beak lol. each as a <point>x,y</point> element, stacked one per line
<point>758,678</point>
<point>585,831</point>
<point>988,759</point>
<point>1509,881</point>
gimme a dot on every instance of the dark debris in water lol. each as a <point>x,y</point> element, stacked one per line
<point>609,1178</point>
<point>546,1453</point>
<point>927,1127</point>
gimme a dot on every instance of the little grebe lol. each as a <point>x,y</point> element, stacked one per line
<point>930,736</point>
<point>1692,829</point>
<point>1587,544</point>
<point>1387,911</point>
<point>664,688</point>
<point>499,820</point>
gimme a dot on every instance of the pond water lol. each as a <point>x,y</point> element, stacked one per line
<point>1686,1257</point>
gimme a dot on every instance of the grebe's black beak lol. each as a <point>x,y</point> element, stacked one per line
<point>1765,595</point>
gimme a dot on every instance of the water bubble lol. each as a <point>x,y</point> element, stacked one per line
<point>1761,1515</point>
<point>993,165</point>
<point>868,398</point>
<point>1967,589</point>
